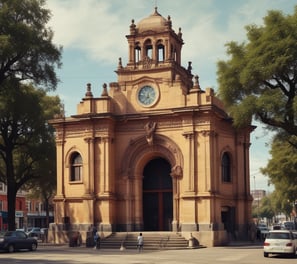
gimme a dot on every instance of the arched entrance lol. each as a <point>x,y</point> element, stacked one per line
<point>157,196</point>
<point>228,219</point>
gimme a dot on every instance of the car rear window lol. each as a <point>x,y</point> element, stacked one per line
<point>279,236</point>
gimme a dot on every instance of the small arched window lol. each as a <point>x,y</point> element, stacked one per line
<point>226,167</point>
<point>148,48</point>
<point>76,167</point>
<point>161,51</point>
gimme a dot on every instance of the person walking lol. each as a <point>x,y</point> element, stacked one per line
<point>97,241</point>
<point>96,238</point>
<point>140,242</point>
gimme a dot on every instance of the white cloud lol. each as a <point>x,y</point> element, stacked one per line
<point>90,27</point>
<point>99,26</point>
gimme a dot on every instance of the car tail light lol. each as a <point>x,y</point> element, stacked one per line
<point>289,244</point>
<point>266,244</point>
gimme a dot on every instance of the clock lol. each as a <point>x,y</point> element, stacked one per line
<point>147,95</point>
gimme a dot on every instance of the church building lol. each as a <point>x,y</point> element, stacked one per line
<point>154,152</point>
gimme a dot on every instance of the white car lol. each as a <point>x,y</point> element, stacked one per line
<point>280,242</point>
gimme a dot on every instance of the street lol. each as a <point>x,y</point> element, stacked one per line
<point>66,255</point>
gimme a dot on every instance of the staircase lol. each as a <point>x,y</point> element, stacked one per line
<point>152,241</point>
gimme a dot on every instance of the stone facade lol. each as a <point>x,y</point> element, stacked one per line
<point>154,152</point>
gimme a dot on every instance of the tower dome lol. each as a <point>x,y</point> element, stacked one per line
<point>154,22</point>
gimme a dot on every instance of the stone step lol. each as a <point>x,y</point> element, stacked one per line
<point>152,240</point>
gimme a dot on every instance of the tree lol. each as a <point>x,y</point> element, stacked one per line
<point>260,78</point>
<point>25,137</point>
<point>44,186</point>
<point>282,170</point>
<point>27,56</point>
<point>26,48</point>
<point>265,209</point>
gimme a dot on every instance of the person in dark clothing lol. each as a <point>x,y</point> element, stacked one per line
<point>96,238</point>
<point>97,241</point>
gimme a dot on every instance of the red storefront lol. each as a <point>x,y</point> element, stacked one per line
<point>19,213</point>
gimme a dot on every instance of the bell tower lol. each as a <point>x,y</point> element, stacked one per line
<point>155,51</point>
<point>154,40</point>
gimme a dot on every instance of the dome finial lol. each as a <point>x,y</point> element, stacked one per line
<point>156,8</point>
<point>104,90</point>
<point>89,92</point>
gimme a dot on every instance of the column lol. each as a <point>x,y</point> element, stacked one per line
<point>210,162</point>
<point>131,53</point>
<point>155,52</point>
<point>106,170</point>
<point>60,168</point>
<point>188,198</point>
<point>137,194</point>
<point>176,174</point>
<point>167,51</point>
<point>191,161</point>
<point>90,184</point>
<point>128,198</point>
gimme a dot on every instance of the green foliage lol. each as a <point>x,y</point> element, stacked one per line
<point>272,205</point>
<point>282,170</point>
<point>26,139</point>
<point>26,48</point>
<point>255,211</point>
<point>259,80</point>
<point>266,210</point>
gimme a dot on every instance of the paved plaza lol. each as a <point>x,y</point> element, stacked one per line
<point>239,254</point>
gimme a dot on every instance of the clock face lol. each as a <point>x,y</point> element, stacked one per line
<point>147,95</point>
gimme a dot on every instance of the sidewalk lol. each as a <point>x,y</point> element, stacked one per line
<point>256,243</point>
<point>62,253</point>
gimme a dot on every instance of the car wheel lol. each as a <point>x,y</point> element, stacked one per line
<point>266,254</point>
<point>33,247</point>
<point>10,248</point>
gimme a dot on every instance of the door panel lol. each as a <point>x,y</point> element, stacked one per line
<point>150,211</point>
<point>167,212</point>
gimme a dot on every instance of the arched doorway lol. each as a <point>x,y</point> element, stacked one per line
<point>228,219</point>
<point>157,196</point>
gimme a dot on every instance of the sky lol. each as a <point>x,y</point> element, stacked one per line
<point>93,36</point>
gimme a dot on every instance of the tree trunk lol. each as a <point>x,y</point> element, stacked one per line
<point>11,200</point>
<point>11,188</point>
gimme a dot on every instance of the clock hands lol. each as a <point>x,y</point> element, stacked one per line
<point>147,95</point>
